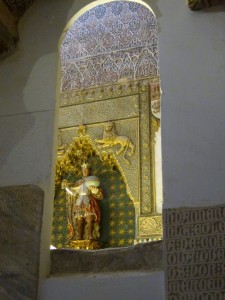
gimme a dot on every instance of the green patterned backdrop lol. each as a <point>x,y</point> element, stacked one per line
<point>117,210</point>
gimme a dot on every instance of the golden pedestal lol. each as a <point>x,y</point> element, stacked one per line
<point>84,244</point>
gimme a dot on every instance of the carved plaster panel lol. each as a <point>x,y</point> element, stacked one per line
<point>109,43</point>
<point>99,111</point>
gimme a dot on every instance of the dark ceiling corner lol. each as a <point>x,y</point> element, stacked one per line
<point>10,13</point>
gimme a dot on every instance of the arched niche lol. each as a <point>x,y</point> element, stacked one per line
<point>110,72</point>
<point>117,226</point>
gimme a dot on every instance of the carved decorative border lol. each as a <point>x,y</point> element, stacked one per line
<point>145,151</point>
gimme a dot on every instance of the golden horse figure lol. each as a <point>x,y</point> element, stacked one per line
<point>111,138</point>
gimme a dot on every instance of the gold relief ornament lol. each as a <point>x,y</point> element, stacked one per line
<point>111,138</point>
<point>149,226</point>
<point>76,153</point>
<point>84,244</point>
<point>81,130</point>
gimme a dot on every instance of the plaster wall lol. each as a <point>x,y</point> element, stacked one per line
<point>192,68</point>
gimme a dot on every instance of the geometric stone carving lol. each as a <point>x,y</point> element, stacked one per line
<point>141,257</point>
<point>194,249</point>
<point>20,228</point>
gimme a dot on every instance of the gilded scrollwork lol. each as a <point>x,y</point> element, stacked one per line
<point>149,226</point>
<point>78,151</point>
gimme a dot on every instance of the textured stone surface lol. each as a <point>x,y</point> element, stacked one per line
<point>202,4</point>
<point>20,227</point>
<point>10,12</point>
<point>141,257</point>
<point>194,253</point>
<point>8,30</point>
<point>18,7</point>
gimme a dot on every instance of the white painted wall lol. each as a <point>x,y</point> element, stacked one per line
<point>192,68</point>
<point>192,65</point>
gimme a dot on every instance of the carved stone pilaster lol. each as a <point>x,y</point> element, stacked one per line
<point>145,150</point>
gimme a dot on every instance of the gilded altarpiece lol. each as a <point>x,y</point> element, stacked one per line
<point>134,109</point>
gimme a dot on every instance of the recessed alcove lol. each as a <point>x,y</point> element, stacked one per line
<point>109,72</point>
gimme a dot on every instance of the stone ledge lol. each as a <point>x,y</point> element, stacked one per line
<point>141,257</point>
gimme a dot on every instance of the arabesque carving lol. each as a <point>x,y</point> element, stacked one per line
<point>111,42</point>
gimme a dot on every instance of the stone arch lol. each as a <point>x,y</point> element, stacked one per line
<point>117,208</point>
<point>103,70</point>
